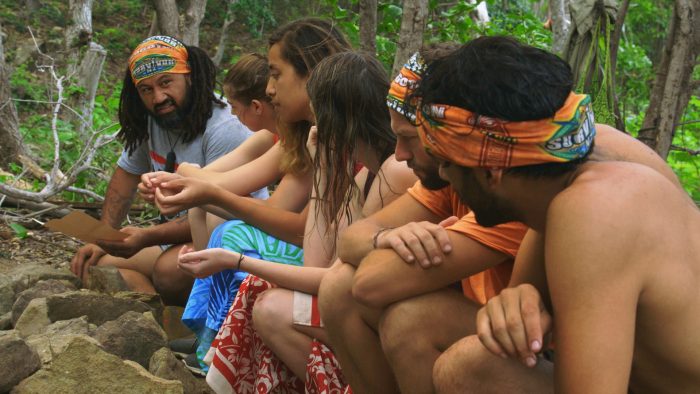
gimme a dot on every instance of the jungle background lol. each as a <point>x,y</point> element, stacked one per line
<point>62,63</point>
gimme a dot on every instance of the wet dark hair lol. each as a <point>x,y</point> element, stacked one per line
<point>348,94</point>
<point>246,80</point>
<point>503,78</point>
<point>133,115</point>
<point>304,43</point>
<point>498,77</point>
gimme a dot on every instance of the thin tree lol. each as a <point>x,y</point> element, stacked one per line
<point>368,26</point>
<point>11,145</point>
<point>673,84</point>
<point>415,13</point>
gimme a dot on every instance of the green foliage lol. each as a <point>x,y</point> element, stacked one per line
<point>255,14</point>
<point>20,231</point>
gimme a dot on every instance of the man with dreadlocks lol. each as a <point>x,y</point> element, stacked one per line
<point>169,114</point>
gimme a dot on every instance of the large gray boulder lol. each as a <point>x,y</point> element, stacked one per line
<point>41,289</point>
<point>133,336</point>
<point>84,367</point>
<point>164,364</point>
<point>7,294</point>
<point>17,360</point>
<point>99,308</point>
<point>58,335</point>
<point>26,275</point>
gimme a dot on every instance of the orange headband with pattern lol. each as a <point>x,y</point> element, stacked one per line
<point>156,55</point>
<point>470,140</point>
<point>403,85</point>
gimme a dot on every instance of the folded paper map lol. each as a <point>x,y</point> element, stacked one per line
<point>80,225</point>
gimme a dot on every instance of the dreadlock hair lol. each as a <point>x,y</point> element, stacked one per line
<point>133,115</point>
<point>304,43</point>
<point>348,94</point>
<point>246,80</point>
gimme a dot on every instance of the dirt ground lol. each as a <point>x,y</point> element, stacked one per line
<point>39,246</point>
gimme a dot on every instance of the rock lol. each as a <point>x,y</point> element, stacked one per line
<point>6,321</point>
<point>7,294</point>
<point>56,336</point>
<point>106,279</point>
<point>17,360</point>
<point>41,289</point>
<point>84,367</point>
<point>165,365</point>
<point>26,275</point>
<point>152,300</point>
<point>34,319</point>
<point>99,308</point>
<point>133,336</point>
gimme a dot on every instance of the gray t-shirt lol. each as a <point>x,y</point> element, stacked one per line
<point>223,134</point>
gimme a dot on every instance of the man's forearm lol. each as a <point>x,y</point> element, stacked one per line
<point>356,241</point>
<point>119,196</point>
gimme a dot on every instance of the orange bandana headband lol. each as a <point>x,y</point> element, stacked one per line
<point>403,85</point>
<point>472,140</point>
<point>156,55</point>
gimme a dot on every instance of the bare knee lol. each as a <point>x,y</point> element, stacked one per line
<point>465,366</point>
<point>402,331</point>
<point>272,309</point>
<point>334,295</point>
<point>169,281</point>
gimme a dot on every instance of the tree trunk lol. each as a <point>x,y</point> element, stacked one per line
<point>614,46</point>
<point>168,17</point>
<point>411,32</point>
<point>223,38</point>
<point>154,25</point>
<point>368,26</point>
<point>79,32</point>
<point>89,77</point>
<point>193,18</point>
<point>671,90</point>
<point>561,24</point>
<point>10,139</point>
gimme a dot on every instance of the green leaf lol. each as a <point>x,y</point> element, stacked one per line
<point>19,230</point>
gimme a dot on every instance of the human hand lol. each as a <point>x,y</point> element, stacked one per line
<point>203,263</point>
<point>424,242</point>
<point>87,256</point>
<point>181,194</point>
<point>312,142</point>
<point>128,246</point>
<point>514,323</point>
<point>150,181</point>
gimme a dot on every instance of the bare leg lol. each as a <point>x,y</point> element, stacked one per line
<point>272,318</point>
<point>414,333</point>
<point>173,284</point>
<point>137,269</point>
<point>351,331</point>
<point>467,366</point>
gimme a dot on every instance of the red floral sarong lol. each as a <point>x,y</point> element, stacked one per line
<point>243,364</point>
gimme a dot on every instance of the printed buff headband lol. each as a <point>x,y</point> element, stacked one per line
<point>156,55</point>
<point>403,85</point>
<point>472,140</point>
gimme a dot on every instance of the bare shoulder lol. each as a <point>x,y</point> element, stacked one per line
<point>397,174</point>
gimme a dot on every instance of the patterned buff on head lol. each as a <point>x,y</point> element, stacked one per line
<point>156,55</point>
<point>472,140</point>
<point>404,84</point>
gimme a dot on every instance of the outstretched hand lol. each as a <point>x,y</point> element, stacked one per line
<point>514,323</point>
<point>203,263</point>
<point>424,242</point>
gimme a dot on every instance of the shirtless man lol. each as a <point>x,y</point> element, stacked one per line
<point>617,230</point>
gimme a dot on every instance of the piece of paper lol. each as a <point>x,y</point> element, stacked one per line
<point>80,225</point>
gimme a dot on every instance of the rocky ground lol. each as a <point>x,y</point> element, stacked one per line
<point>57,337</point>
